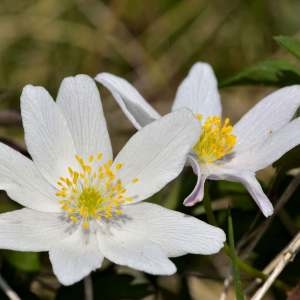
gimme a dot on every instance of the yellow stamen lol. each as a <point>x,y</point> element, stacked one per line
<point>119,166</point>
<point>216,140</point>
<point>93,192</point>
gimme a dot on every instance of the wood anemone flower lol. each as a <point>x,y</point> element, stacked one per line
<point>222,151</point>
<point>82,206</point>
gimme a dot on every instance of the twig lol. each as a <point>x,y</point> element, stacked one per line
<point>227,283</point>
<point>88,288</point>
<point>277,265</point>
<point>9,292</point>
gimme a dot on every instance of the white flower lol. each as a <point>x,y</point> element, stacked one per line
<point>263,135</point>
<point>81,206</point>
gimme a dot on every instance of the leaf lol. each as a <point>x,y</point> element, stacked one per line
<point>236,274</point>
<point>290,44</point>
<point>23,261</point>
<point>268,72</point>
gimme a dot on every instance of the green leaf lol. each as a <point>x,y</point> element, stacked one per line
<point>23,261</point>
<point>268,72</point>
<point>236,274</point>
<point>290,44</point>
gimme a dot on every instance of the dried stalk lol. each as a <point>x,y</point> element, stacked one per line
<point>88,288</point>
<point>277,265</point>
<point>9,292</point>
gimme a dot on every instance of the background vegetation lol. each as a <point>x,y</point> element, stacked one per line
<point>153,44</point>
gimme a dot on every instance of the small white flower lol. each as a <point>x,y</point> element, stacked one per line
<point>81,206</point>
<point>263,135</point>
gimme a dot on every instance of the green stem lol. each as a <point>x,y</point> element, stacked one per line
<point>209,212</point>
<point>253,272</point>
<point>235,268</point>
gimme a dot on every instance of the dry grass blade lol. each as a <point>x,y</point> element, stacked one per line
<point>9,292</point>
<point>277,265</point>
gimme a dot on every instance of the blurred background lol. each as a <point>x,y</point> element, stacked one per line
<point>153,44</point>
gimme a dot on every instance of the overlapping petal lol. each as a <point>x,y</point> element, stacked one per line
<point>127,249</point>
<point>156,154</point>
<point>47,135</point>
<point>80,102</point>
<point>135,107</point>
<point>198,192</point>
<point>176,233</point>
<point>23,182</point>
<point>75,257</point>
<point>199,92</point>
<point>147,234</point>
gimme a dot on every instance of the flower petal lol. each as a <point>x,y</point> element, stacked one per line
<point>266,117</point>
<point>198,191</point>
<point>156,154</point>
<point>148,233</point>
<point>75,257</point>
<point>23,182</point>
<point>47,136</point>
<point>251,184</point>
<point>199,92</point>
<point>176,233</point>
<point>255,190</point>
<point>127,248</point>
<point>31,230</point>
<point>80,102</point>
<point>271,149</point>
<point>135,107</point>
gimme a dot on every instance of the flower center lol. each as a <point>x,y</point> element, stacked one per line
<point>93,192</point>
<point>216,139</point>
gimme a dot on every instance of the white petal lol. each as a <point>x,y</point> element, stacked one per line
<point>148,233</point>
<point>176,233</point>
<point>125,247</point>
<point>156,154</point>
<point>135,107</point>
<point>47,136</point>
<point>75,257</point>
<point>80,102</point>
<point>198,192</point>
<point>271,149</point>
<point>199,92</point>
<point>266,117</point>
<point>251,184</point>
<point>255,190</point>
<point>22,181</point>
<point>30,230</point>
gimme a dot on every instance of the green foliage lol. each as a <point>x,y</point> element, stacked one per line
<point>290,44</point>
<point>236,273</point>
<point>269,72</point>
<point>23,261</point>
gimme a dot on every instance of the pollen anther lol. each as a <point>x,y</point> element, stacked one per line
<point>216,140</point>
<point>92,192</point>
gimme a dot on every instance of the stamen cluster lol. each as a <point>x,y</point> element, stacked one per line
<point>216,139</point>
<point>93,192</point>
